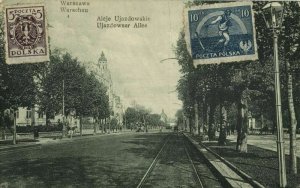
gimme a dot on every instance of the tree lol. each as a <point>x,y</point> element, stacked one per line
<point>289,40</point>
<point>17,86</point>
<point>292,40</point>
<point>114,123</point>
<point>140,115</point>
<point>82,92</point>
<point>180,119</point>
<point>131,116</point>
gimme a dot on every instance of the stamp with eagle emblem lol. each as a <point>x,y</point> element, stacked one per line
<point>26,34</point>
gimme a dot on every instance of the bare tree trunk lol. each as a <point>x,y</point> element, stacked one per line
<point>207,117</point>
<point>196,131</point>
<point>98,124</point>
<point>242,127</point>
<point>262,121</point>
<point>109,126</point>
<point>95,127</point>
<point>33,121</point>
<point>222,136</point>
<point>204,118</point>
<point>188,123</point>
<point>2,125</point>
<point>293,120</point>
<point>211,123</point>
<point>184,123</point>
<point>15,128</point>
<point>238,126</point>
<point>3,134</point>
<point>226,124</point>
<point>145,124</point>
<point>104,126</point>
<point>80,125</point>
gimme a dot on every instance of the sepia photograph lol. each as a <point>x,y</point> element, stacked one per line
<point>149,94</point>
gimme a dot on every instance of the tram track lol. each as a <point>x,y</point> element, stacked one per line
<point>152,165</point>
<point>229,175</point>
<point>181,162</point>
<point>194,168</point>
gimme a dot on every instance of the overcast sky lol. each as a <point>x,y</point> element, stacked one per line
<point>133,54</point>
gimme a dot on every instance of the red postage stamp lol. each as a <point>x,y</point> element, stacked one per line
<point>26,34</point>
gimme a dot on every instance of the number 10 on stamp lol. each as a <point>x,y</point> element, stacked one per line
<point>220,33</point>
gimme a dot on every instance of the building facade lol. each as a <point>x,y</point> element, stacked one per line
<point>27,116</point>
<point>101,71</point>
<point>32,117</point>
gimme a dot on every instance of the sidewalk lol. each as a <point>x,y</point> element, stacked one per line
<point>229,174</point>
<point>261,160</point>
<point>26,140</point>
<point>268,142</point>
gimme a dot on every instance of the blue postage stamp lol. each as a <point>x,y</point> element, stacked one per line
<point>221,33</point>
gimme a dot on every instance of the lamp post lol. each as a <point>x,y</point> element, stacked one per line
<point>273,14</point>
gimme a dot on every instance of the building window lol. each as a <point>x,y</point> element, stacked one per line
<point>28,114</point>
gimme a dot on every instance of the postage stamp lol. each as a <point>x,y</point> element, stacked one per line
<point>26,34</point>
<point>221,33</point>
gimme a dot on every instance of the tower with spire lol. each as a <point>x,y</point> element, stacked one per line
<point>163,116</point>
<point>102,63</point>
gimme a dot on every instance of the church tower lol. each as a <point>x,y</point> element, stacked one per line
<point>102,63</point>
<point>163,117</point>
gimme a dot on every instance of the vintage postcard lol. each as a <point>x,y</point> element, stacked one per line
<point>149,94</point>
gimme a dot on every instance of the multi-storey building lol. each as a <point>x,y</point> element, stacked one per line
<point>26,116</point>
<point>102,73</point>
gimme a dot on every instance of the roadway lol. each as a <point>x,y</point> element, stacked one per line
<point>107,161</point>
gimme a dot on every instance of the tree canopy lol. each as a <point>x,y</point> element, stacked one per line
<point>246,85</point>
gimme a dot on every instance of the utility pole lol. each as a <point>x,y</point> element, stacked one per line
<point>15,128</point>
<point>63,108</point>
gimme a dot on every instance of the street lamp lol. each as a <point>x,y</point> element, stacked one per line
<point>273,16</point>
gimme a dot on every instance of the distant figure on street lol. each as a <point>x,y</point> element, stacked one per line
<point>59,123</point>
<point>71,131</point>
